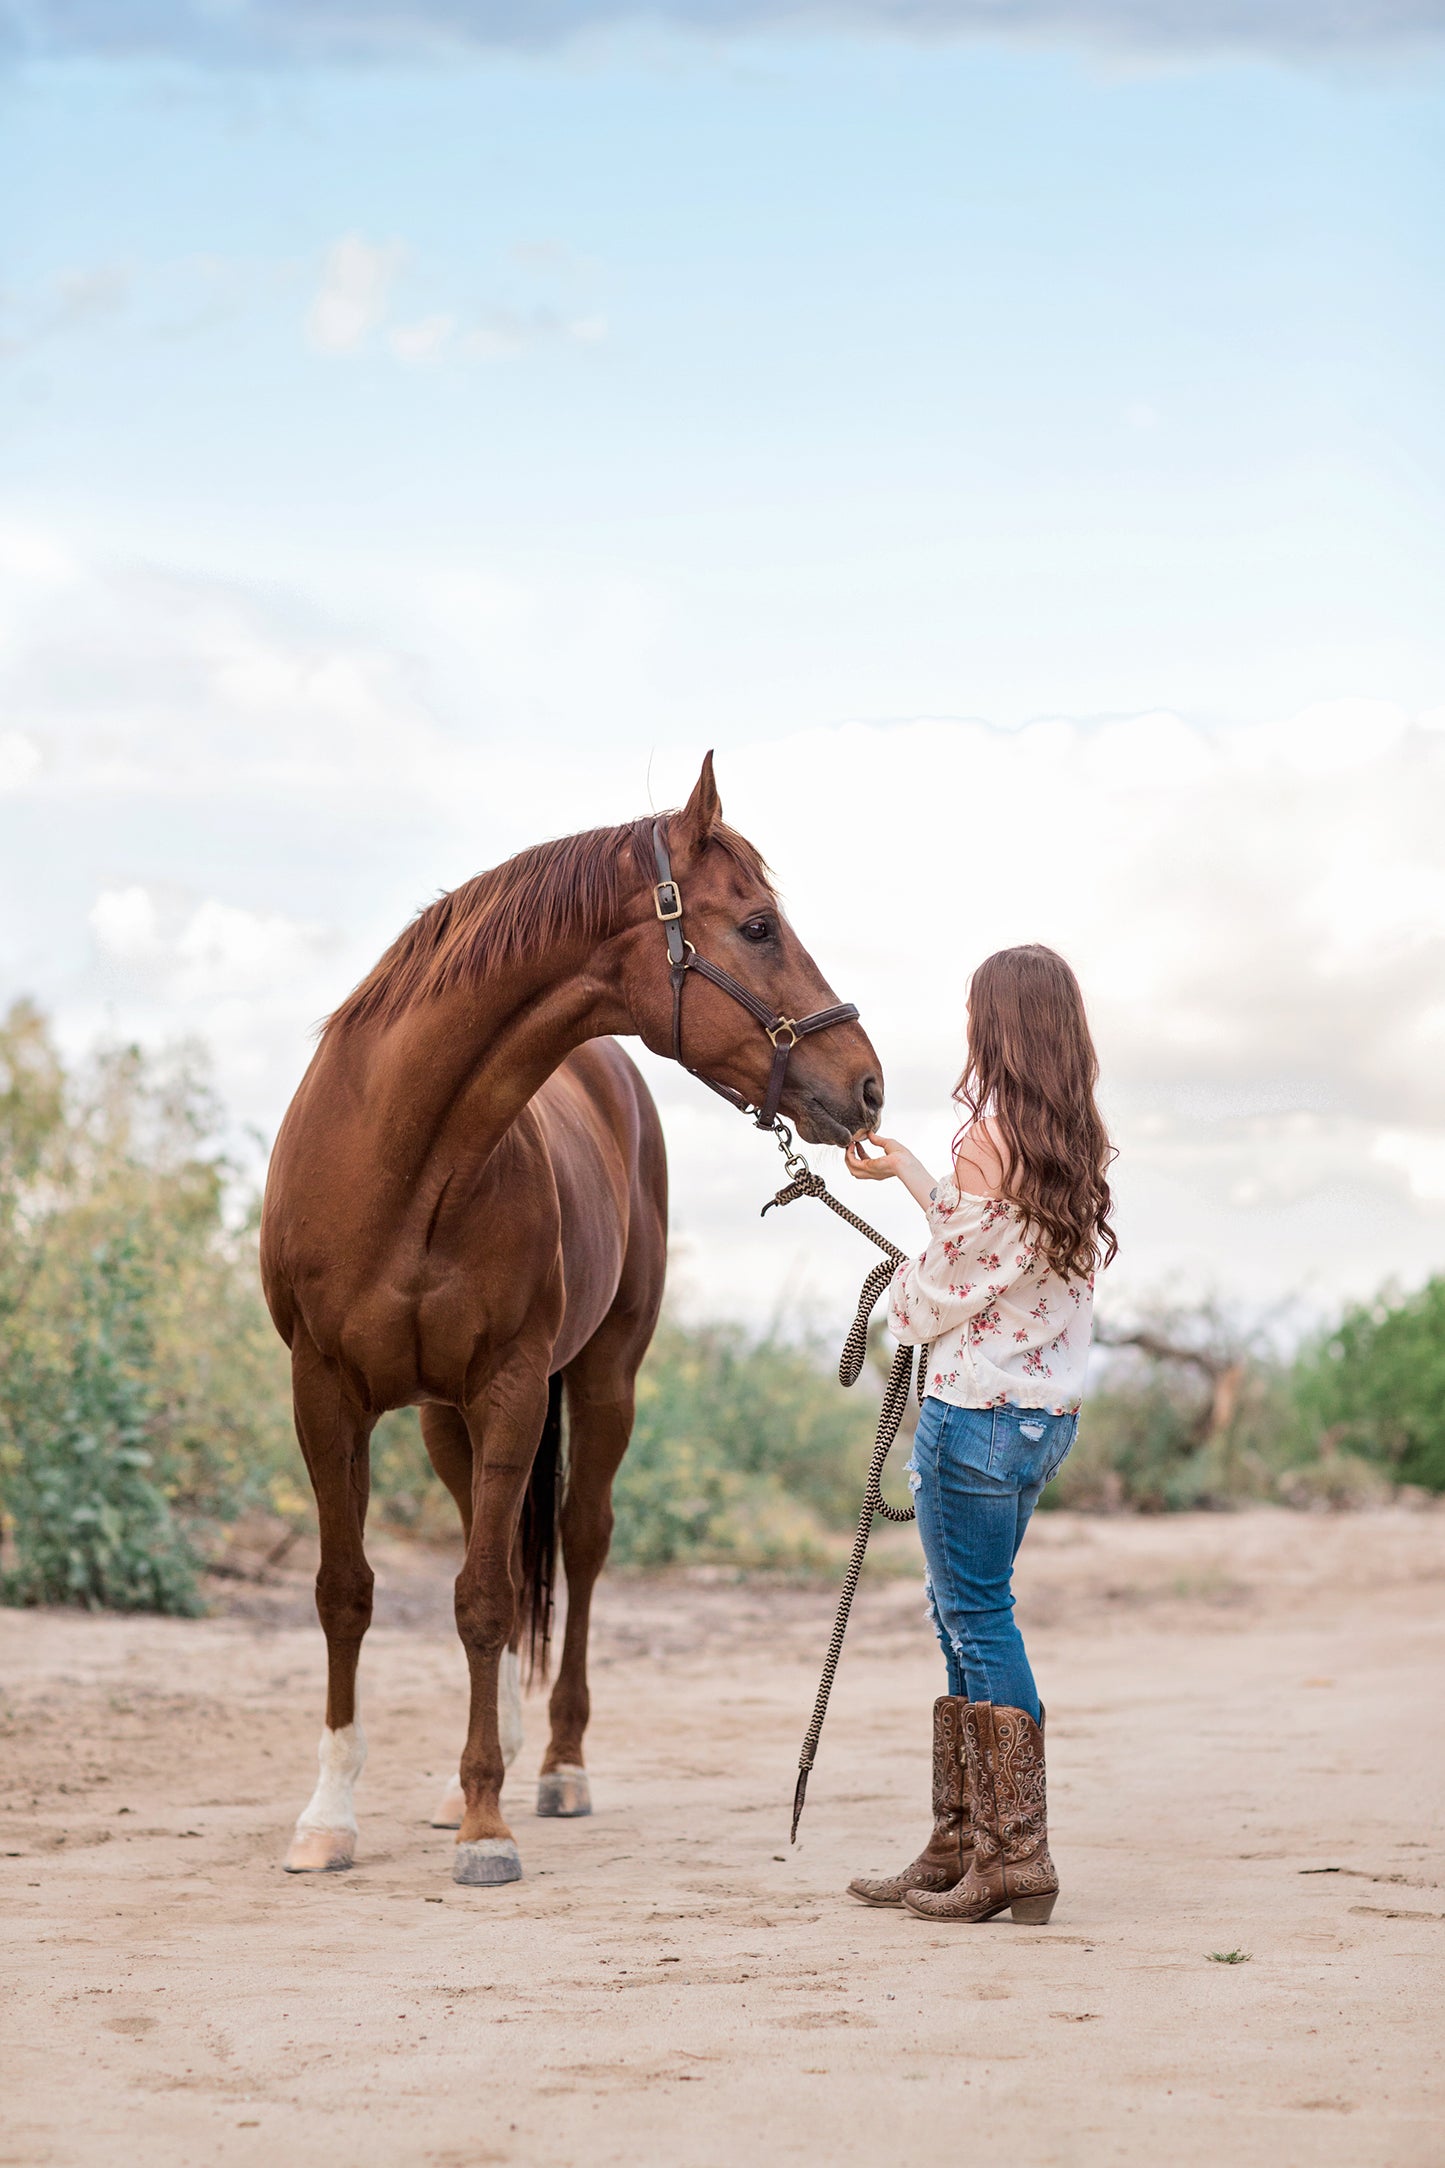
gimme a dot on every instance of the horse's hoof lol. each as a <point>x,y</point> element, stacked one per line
<point>486,1862</point>
<point>564,1791</point>
<point>321,1851</point>
<point>453,1806</point>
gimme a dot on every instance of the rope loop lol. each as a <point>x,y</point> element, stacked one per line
<point>805,1183</point>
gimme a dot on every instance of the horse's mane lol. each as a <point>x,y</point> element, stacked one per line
<point>569,889</point>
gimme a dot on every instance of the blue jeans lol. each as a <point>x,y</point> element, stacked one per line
<point>976,1475</point>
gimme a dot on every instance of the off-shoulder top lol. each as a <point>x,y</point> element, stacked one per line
<point>1000,1324</point>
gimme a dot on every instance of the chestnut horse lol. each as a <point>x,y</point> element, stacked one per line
<point>466,1212</point>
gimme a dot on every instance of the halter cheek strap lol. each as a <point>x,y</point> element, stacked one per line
<point>682,957</point>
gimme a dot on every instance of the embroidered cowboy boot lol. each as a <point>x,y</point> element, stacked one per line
<point>944,1859</point>
<point>1011,1868</point>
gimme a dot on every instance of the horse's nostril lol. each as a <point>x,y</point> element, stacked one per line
<point>871,1093</point>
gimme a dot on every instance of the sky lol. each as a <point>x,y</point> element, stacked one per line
<point>1010,435</point>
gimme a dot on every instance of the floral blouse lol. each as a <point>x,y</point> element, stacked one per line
<point>1000,1324</point>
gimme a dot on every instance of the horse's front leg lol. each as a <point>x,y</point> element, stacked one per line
<point>449,1448</point>
<point>505,1431</point>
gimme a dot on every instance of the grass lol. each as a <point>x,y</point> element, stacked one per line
<point>1229,1957</point>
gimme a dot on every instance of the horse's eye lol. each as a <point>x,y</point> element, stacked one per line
<point>757,929</point>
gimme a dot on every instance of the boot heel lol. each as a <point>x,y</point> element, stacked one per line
<point>1034,1911</point>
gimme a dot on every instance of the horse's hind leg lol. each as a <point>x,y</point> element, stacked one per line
<point>449,1448</point>
<point>335,1437</point>
<point>600,1401</point>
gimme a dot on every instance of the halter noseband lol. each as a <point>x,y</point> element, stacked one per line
<point>784,1031</point>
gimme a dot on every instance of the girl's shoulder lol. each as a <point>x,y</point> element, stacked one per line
<point>978,1164</point>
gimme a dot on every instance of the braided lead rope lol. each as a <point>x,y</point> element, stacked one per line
<point>890,1416</point>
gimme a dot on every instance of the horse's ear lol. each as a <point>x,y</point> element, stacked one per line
<point>702,813</point>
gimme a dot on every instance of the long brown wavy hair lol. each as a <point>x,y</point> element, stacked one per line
<point>1031,1072</point>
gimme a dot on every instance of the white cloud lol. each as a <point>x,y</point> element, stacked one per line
<point>28,555</point>
<point>19,760</point>
<point>127,681</point>
<point>126,923</point>
<point>354,294</point>
<point>246,799</point>
<point>205,950</point>
<point>419,341</point>
<point>354,298</point>
<point>1420,1157</point>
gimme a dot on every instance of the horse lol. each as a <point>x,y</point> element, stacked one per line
<point>466,1212</point>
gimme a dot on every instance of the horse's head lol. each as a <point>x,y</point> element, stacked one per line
<point>732,919</point>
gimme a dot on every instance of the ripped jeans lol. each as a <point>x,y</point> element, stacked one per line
<point>976,1475</point>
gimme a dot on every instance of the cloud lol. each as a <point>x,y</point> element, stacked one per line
<point>163,299</point>
<point>354,299</point>
<point>419,341</point>
<point>493,334</point>
<point>19,760</point>
<point>203,950</point>
<point>223,803</point>
<point>71,301</point>
<point>298,32</point>
<point>355,290</point>
<point>1258,919</point>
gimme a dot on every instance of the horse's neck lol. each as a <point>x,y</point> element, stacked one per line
<point>465,1063</point>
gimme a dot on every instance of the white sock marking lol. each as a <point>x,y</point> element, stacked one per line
<point>341,1757</point>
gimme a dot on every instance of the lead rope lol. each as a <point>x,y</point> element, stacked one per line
<point>805,1183</point>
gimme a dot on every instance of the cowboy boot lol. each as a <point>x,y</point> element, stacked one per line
<point>944,1859</point>
<point>1011,1868</point>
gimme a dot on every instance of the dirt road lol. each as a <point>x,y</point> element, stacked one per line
<point>1245,1755</point>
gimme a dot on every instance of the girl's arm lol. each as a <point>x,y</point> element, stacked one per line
<point>890,1161</point>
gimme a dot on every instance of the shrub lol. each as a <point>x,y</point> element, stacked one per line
<point>744,1450</point>
<point>90,1525</point>
<point>1192,1407</point>
<point>1375,1384</point>
<point>143,1393</point>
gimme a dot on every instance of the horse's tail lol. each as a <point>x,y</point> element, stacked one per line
<point>541,1513</point>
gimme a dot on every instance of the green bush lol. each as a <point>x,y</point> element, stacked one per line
<point>1374,1386</point>
<point>90,1525</point>
<point>143,1392</point>
<point>1150,1441</point>
<point>743,1450</point>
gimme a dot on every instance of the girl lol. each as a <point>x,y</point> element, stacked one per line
<point>1003,1298</point>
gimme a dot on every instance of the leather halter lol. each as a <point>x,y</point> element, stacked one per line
<point>784,1031</point>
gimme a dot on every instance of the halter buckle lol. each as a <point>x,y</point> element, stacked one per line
<point>784,1024</point>
<point>673,894</point>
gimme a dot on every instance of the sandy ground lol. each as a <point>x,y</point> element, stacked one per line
<point>1245,1754</point>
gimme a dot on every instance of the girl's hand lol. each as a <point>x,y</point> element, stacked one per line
<point>886,1163</point>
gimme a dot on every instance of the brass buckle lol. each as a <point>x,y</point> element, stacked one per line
<point>671,889</point>
<point>784,1024</point>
